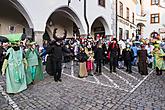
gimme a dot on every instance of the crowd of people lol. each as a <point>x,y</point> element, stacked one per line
<point>117,54</point>
<point>22,63</point>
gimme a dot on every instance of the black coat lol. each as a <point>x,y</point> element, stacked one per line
<point>127,55</point>
<point>99,53</point>
<point>114,51</point>
<point>55,53</point>
<point>104,50</point>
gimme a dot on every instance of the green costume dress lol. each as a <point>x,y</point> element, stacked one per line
<point>15,71</point>
<point>34,65</point>
<point>158,59</point>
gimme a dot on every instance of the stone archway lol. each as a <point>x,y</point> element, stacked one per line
<point>14,18</point>
<point>20,7</point>
<point>64,18</point>
<point>99,28</point>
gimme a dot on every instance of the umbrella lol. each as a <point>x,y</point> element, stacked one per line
<point>14,37</point>
<point>3,39</point>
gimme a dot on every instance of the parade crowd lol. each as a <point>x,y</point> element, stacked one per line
<point>22,62</point>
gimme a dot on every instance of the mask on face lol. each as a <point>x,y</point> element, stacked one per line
<point>58,43</point>
<point>128,46</point>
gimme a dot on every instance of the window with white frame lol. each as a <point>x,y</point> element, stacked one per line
<point>155,18</point>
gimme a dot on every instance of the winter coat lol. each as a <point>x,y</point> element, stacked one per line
<point>128,54</point>
<point>99,53</point>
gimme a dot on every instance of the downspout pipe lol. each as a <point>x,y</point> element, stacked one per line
<point>85,17</point>
<point>116,16</point>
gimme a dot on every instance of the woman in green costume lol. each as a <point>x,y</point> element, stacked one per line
<point>15,70</point>
<point>159,63</point>
<point>34,63</point>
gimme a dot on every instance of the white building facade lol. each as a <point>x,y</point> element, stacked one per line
<point>78,17</point>
<point>155,15</point>
<point>126,19</point>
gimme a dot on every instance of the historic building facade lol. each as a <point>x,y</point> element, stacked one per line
<point>126,18</point>
<point>155,15</point>
<point>35,17</point>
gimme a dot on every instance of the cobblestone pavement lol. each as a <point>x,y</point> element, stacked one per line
<point>109,91</point>
<point>4,104</point>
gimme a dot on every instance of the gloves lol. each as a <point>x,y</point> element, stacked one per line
<point>25,63</point>
<point>4,66</point>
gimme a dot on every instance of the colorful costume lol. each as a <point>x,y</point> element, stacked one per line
<point>15,71</point>
<point>34,65</point>
<point>89,63</point>
<point>82,57</point>
<point>150,58</point>
<point>158,58</point>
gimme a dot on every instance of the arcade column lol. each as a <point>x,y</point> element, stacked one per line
<point>38,37</point>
